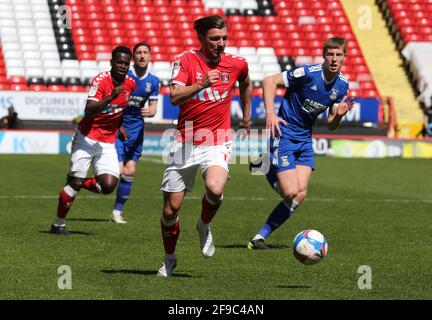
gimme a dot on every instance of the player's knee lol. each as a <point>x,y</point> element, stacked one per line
<point>170,212</point>
<point>107,188</point>
<point>75,183</point>
<point>215,189</point>
<point>290,193</point>
<point>171,209</point>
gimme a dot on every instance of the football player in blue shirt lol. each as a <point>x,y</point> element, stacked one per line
<point>311,90</point>
<point>129,143</point>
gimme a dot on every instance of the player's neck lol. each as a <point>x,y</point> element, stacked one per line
<point>117,80</point>
<point>329,76</point>
<point>140,71</point>
<point>206,58</point>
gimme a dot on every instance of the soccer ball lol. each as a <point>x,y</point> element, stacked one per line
<point>310,246</point>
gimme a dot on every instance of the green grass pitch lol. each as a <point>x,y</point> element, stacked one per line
<point>373,212</point>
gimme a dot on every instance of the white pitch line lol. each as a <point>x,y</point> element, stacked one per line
<point>103,197</point>
<point>152,160</point>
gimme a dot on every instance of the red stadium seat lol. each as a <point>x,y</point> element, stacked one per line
<point>164,10</point>
<point>128,9</point>
<point>277,35</point>
<point>95,24</point>
<point>74,88</point>
<point>129,25</point>
<point>195,4</point>
<point>86,56</point>
<point>19,87</point>
<point>56,88</point>
<point>17,80</point>
<point>114,25</point>
<point>4,86</point>
<point>37,87</point>
<point>261,43</point>
<point>159,56</point>
<point>93,8</point>
<point>111,9</point>
<point>79,24</point>
<point>84,47</point>
<point>145,10</point>
<point>197,11</point>
<point>108,2</point>
<point>129,2</point>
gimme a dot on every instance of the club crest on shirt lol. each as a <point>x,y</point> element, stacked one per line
<point>148,87</point>
<point>333,94</point>
<point>225,77</point>
<point>198,76</point>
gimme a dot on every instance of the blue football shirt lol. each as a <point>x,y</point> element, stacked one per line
<point>147,89</point>
<point>308,95</point>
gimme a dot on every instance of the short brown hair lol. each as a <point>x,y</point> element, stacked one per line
<point>335,43</point>
<point>203,25</point>
<point>139,44</point>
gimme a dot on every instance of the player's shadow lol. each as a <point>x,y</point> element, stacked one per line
<point>243,246</point>
<point>300,286</point>
<point>143,272</point>
<point>82,233</point>
<point>88,219</point>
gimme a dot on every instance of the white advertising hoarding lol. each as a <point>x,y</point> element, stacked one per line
<point>34,142</point>
<point>62,106</point>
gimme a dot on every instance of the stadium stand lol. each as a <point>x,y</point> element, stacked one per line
<point>411,27</point>
<point>272,35</point>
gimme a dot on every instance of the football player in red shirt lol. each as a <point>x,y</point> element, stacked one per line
<point>202,86</point>
<point>93,140</point>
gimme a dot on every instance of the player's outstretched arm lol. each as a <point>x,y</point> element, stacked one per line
<point>337,111</point>
<point>245,88</point>
<point>270,84</point>
<point>93,107</point>
<point>180,94</point>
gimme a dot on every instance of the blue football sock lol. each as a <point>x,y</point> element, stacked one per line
<point>278,216</point>
<point>123,190</point>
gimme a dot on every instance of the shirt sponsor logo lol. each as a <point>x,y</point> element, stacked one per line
<point>313,107</point>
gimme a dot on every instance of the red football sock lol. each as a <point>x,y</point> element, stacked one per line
<point>64,204</point>
<point>91,185</point>
<point>208,210</point>
<point>170,235</point>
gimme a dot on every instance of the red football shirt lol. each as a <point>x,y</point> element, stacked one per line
<point>208,111</point>
<point>103,126</point>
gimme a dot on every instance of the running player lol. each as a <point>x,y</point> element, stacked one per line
<point>93,141</point>
<point>202,85</point>
<point>311,91</point>
<point>129,150</point>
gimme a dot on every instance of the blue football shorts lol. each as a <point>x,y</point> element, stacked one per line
<point>286,154</point>
<point>130,149</point>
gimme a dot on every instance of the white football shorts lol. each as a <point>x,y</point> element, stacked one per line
<point>85,152</point>
<point>184,159</point>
